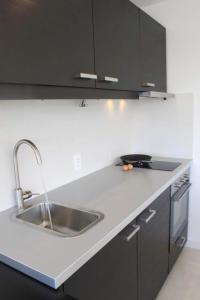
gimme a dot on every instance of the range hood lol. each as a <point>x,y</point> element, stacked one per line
<point>155,95</point>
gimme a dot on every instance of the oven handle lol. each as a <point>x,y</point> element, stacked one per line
<point>179,194</point>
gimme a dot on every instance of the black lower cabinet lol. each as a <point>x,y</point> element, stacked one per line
<point>112,274</point>
<point>154,247</point>
<point>134,265</point>
<point>17,286</point>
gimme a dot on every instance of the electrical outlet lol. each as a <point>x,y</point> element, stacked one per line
<point>77,162</point>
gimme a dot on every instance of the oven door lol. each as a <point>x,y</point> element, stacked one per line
<point>179,211</point>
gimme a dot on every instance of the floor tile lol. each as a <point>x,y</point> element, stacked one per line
<point>183,282</point>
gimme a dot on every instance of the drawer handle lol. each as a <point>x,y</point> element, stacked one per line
<point>87,76</point>
<point>148,84</point>
<point>133,233</point>
<point>109,79</point>
<point>152,214</point>
<point>181,242</point>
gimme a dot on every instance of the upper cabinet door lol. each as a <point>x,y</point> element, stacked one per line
<point>153,54</point>
<point>116,34</point>
<point>47,42</point>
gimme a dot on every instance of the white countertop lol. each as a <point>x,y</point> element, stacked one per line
<point>120,196</point>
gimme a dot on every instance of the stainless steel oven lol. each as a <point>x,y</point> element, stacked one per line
<point>179,214</point>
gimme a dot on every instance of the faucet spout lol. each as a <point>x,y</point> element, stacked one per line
<point>20,194</point>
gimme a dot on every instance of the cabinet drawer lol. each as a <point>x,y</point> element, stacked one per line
<point>177,247</point>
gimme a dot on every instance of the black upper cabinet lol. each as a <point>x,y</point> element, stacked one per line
<point>46,46</point>
<point>154,246</point>
<point>46,42</point>
<point>153,54</point>
<point>116,35</point>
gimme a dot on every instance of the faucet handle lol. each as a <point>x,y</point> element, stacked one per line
<point>29,194</point>
<point>35,194</point>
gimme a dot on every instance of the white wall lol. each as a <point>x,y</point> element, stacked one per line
<point>182,20</point>
<point>60,129</point>
<point>100,133</point>
<point>158,126</point>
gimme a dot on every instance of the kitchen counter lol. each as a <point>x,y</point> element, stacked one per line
<point>120,196</point>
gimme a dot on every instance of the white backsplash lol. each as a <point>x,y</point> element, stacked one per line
<point>100,132</point>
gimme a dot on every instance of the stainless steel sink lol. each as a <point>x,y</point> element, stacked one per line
<point>61,220</point>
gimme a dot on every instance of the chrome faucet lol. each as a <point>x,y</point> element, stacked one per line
<point>22,195</point>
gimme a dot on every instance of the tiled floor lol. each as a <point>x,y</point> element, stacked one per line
<point>184,281</point>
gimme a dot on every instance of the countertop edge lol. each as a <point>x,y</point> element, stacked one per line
<point>28,271</point>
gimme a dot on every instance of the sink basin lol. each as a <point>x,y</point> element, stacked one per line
<point>60,220</point>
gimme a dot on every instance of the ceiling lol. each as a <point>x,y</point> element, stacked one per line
<point>143,3</point>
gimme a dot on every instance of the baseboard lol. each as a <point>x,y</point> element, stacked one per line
<point>193,245</point>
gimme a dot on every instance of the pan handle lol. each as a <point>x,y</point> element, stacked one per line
<point>137,161</point>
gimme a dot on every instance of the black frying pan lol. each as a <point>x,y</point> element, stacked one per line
<point>132,158</point>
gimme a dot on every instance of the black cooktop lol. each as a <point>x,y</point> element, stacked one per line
<point>157,165</point>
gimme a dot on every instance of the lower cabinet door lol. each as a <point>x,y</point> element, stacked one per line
<point>111,274</point>
<point>154,247</point>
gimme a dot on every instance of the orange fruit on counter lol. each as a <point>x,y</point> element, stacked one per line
<point>125,168</point>
<point>130,167</point>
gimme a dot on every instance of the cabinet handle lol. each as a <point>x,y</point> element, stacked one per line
<point>181,242</point>
<point>109,79</point>
<point>133,233</point>
<point>152,214</point>
<point>87,76</point>
<point>148,84</point>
